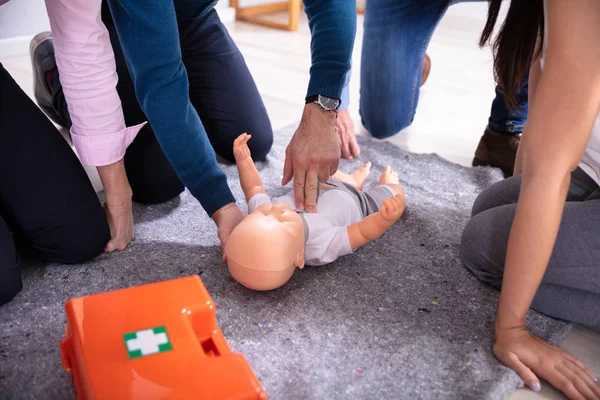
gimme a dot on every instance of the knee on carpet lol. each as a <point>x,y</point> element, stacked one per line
<point>483,202</point>
<point>381,125</point>
<point>76,241</point>
<point>475,251</point>
<point>10,279</point>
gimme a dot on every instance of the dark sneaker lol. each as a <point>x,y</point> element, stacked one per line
<point>498,151</point>
<point>426,69</point>
<point>41,51</point>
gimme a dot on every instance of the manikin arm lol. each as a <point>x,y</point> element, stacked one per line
<point>376,224</point>
<point>249,177</point>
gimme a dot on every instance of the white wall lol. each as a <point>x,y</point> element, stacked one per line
<point>20,20</point>
<point>23,17</point>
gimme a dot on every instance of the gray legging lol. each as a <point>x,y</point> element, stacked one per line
<point>570,289</point>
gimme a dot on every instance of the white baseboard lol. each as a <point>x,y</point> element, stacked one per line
<point>15,46</point>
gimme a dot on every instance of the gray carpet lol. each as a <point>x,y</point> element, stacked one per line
<point>399,319</point>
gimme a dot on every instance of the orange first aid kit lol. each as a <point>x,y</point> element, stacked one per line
<point>156,341</point>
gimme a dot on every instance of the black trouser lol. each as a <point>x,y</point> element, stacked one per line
<point>48,207</point>
<point>221,90</point>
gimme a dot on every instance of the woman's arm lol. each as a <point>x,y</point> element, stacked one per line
<point>85,59</point>
<point>565,107</point>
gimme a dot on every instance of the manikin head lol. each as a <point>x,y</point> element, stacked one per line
<point>266,247</point>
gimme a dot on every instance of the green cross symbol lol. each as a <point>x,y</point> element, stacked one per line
<point>147,342</point>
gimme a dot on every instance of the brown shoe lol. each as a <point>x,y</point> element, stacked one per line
<point>426,69</point>
<point>498,151</point>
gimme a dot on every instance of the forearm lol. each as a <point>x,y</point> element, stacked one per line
<point>333,27</point>
<point>150,42</point>
<point>565,106</point>
<point>249,178</point>
<point>114,180</point>
<point>532,238</point>
<point>367,230</point>
<point>86,63</point>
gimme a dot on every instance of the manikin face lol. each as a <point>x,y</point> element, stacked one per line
<point>281,213</point>
<point>267,245</point>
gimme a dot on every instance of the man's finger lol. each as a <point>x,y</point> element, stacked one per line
<point>288,167</point>
<point>310,191</point>
<point>324,173</point>
<point>344,145</point>
<point>345,148</point>
<point>354,149</point>
<point>299,181</point>
<point>334,164</point>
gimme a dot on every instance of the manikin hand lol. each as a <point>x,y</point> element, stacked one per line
<point>529,355</point>
<point>241,151</point>
<point>391,209</point>
<point>345,132</point>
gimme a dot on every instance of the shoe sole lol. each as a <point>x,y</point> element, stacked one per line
<point>480,163</point>
<point>41,92</point>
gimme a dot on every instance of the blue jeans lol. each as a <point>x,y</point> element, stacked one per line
<point>396,36</point>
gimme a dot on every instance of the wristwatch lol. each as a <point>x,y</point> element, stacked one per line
<point>326,103</point>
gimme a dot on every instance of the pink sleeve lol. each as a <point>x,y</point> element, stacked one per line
<point>87,69</point>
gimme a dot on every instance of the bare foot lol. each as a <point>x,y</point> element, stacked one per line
<point>389,177</point>
<point>357,178</point>
<point>361,174</point>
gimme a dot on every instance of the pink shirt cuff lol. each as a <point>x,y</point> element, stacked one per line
<point>106,149</point>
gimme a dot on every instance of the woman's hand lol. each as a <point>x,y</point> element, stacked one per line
<point>227,218</point>
<point>117,205</point>
<point>119,213</point>
<point>531,357</point>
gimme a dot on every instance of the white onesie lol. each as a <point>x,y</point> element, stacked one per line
<point>327,234</point>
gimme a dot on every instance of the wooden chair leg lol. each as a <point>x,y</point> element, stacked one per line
<point>252,14</point>
<point>294,14</point>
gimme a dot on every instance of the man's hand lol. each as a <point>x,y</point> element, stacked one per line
<point>312,156</point>
<point>227,218</point>
<point>117,205</point>
<point>344,127</point>
<point>529,355</point>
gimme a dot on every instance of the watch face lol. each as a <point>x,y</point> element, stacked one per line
<point>328,103</point>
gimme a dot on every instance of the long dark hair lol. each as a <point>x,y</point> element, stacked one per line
<point>515,44</point>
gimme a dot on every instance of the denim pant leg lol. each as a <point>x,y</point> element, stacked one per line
<point>509,122</point>
<point>396,35</point>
